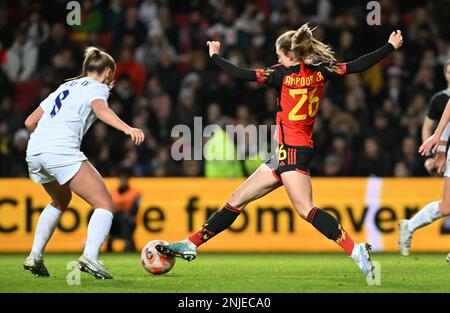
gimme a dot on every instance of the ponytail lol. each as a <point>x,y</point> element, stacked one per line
<point>96,61</point>
<point>306,47</point>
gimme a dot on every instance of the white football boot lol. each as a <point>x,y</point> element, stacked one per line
<point>36,266</point>
<point>361,256</point>
<point>93,267</point>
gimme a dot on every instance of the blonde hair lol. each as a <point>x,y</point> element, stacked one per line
<point>305,47</point>
<point>96,61</point>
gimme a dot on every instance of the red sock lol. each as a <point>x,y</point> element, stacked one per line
<point>345,241</point>
<point>330,227</point>
<point>198,238</point>
<point>217,223</point>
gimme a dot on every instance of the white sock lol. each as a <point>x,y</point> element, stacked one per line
<point>190,244</point>
<point>46,225</point>
<point>355,250</point>
<point>98,230</point>
<point>424,217</point>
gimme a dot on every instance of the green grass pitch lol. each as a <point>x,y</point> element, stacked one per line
<point>237,273</point>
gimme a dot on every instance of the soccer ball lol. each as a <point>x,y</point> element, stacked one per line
<point>448,258</point>
<point>153,261</point>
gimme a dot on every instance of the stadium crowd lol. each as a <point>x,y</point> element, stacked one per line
<point>369,124</point>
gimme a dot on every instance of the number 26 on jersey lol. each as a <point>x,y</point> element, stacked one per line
<point>313,104</point>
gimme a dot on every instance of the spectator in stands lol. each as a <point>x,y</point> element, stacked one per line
<point>10,114</point>
<point>57,42</point>
<point>125,92</point>
<point>5,147</point>
<point>6,28</point>
<point>128,65</point>
<point>401,170</point>
<point>384,132</point>
<point>38,30</point>
<point>91,21</point>
<point>6,87</point>
<point>64,65</point>
<point>411,158</point>
<point>130,25</point>
<point>342,150</point>
<point>192,31</point>
<point>149,54</point>
<point>187,108</point>
<point>19,167</point>
<point>126,201</point>
<point>372,161</point>
<point>148,12</point>
<point>332,166</point>
<point>21,58</point>
<point>191,168</point>
<point>113,16</point>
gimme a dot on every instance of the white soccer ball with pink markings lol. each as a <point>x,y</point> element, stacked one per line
<point>153,261</point>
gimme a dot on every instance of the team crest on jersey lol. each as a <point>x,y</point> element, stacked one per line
<point>263,74</point>
<point>267,71</point>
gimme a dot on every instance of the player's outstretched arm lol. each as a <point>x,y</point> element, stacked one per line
<point>228,67</point>
<point>441,133</point>
<point>108,116</point>
<point>364,62</point>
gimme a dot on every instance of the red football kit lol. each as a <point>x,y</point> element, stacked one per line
<point>299,91</point>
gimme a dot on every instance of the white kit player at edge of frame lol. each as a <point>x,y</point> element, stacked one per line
<point>54,158</point>
<point>437,143</point>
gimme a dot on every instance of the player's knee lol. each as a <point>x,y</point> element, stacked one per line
<point>237,201</point>
<point>106,205</point>
<point>303,209</point>
<point>105,202</point>
<point>109,205</point>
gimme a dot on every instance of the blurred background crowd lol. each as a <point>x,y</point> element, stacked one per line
<point>369,123</point>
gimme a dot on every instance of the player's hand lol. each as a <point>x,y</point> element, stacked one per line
<point>136,134</point>
<point>214,47</point>
<point>439,162</point>
<point>396,39</point>
<point>429,145</point>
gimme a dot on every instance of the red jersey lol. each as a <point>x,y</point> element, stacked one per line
<point>299,89</point>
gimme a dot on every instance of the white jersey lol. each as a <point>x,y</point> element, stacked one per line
<point>67,117</point>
